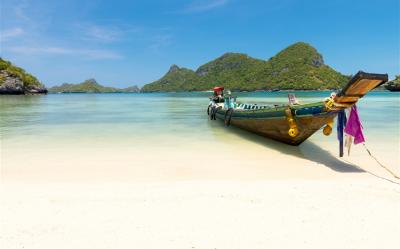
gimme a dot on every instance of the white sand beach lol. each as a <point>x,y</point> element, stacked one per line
<point>261,197</point>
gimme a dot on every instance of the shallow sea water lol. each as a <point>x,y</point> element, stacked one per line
<point>173,121</point>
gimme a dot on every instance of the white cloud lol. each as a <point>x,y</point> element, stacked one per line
<point>204,6</point>
<point>10,33</point>
<point>105,33</point>
<point>20,11</point>
<point>101,33</point>
<point>160,41</point>
<point>88,53</point>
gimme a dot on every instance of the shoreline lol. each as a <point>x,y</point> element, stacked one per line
<point>205,91</point>
<point>256,91</point>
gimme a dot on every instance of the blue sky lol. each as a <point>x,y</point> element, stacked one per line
<point>123,43</point>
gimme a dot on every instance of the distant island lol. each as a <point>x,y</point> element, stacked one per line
<point>297,67</point>
<point>14,80</point>
<point>393,85</point>
<point>91,86</point>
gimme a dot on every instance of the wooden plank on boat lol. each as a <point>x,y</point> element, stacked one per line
<point>360,85</point>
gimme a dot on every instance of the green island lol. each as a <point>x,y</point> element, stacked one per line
<point>14,80</point>
<point>91,86</point>
<point>297,67</point>
<point>393,85</point>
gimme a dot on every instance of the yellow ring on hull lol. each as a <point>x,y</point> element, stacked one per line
<point>327,130</point>
<point>293,131</point>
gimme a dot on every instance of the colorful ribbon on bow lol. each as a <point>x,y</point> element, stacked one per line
<point>354,127</point>
<point>340,127</point>
<point>351,127</point>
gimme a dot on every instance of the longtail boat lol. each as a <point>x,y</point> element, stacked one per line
<point>292,123</point>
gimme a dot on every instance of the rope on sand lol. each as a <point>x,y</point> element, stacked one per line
<point>383,166</point>
<point>372,173</point>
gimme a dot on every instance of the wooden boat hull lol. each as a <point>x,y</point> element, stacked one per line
<point>272,123</point>
<point>277,129</point>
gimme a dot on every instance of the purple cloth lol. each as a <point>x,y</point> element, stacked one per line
<point>354,127</point>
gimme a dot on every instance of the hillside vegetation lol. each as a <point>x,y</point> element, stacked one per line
<point>90,86</point>
<point>299,67</point>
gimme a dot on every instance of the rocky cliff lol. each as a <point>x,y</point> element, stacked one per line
<point>393,85</point>
<point>14,80</point>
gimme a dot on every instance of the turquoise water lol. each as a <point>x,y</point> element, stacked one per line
<point>170,119</point>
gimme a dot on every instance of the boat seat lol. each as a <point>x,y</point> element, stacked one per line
<point>292,99</point>
<point>252,107</point>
